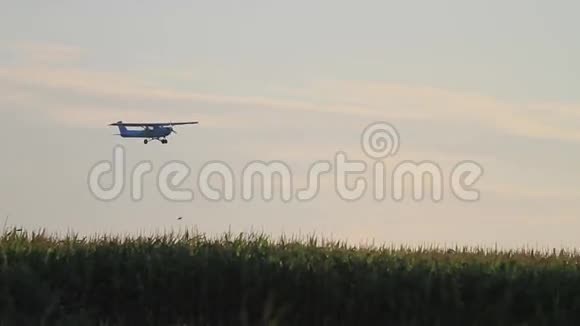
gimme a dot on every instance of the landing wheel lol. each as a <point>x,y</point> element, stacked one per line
<point>146,142</point>
<point>163,141</point>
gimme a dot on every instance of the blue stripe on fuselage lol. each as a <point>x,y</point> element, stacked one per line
<point>156,132</point>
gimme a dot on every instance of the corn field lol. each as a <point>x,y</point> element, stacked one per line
<point>191,279</point>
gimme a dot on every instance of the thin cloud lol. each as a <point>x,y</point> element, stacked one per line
<point>434,104</point>
<point>361,99</point>
<point>42,52</point>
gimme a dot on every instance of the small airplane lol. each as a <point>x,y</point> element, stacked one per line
<point>150,131</point>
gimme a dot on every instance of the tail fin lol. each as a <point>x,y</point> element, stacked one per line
<point>122,128</point>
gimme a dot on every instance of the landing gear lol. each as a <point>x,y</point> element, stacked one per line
<point>162,141</point>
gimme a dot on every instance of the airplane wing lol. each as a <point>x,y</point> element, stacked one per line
<point>182,123</point>
<point>154,124</point>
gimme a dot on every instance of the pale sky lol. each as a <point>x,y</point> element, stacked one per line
<point>496,82</point>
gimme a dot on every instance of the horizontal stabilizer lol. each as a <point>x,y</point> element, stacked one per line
<point>154,124</point>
